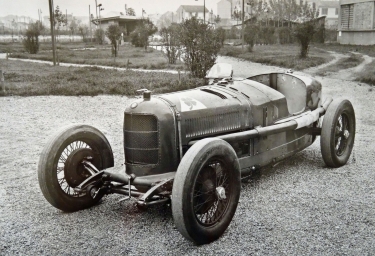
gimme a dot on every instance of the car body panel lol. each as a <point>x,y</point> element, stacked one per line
<point>228,106</point>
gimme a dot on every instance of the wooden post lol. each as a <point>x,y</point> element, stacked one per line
<point>242,26</point>
<point>52,21</point>
<point>2,82</point>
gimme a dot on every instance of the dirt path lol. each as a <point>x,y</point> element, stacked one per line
<point>99,66</point>
<point>299,207</point>
<point>336,58</point>
<point>349,74</point>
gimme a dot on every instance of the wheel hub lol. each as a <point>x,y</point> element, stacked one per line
<point>74,171</point>
<point>220,193</point>
<point>346,134</point>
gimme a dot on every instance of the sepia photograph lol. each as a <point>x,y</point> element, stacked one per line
<point>187,127</point>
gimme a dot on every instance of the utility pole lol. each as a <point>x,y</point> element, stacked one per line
<point>66,17</point>
<point>96,8</point>
<point>52,19</point>
<point>90,24</point>
<point>100,9</point>
<point>243,19</point>
<point>204,11</point>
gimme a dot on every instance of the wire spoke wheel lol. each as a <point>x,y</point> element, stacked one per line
<point>61,167</point>
<point>338,133</point>
<point>342,134</point>
<point>206,190</point>
<point>65,174</point>
<point>209,205</point>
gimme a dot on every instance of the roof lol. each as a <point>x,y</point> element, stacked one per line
<point>117,15</point>
<point>119,18</point>
<point>344,2</point>
<point>193,8</point>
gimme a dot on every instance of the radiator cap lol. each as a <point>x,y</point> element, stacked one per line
<point>146,93</point>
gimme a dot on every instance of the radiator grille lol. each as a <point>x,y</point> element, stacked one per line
<point>212,124</point>
<point>141,139</point>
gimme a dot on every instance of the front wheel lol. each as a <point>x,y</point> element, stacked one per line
<point>338,132</point>
<point>60,167</point>
<point>206,190</point>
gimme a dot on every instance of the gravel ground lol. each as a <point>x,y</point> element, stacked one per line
<point>297,207</point>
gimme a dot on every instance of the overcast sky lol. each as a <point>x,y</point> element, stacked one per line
<point>81,7</point>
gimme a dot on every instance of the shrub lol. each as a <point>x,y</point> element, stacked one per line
<point>170,40</point>
<point>266,35</point>
<point>114,34</point>
<point>330,35</point>
<point>84,31</point>
<point>139,37</point>
<point>31,41</point>
<point>319,35</point>
<point>284,35</point>
<point>304,33</point>
<point>99,36</point>
<point>221,34</point>
<point>233,33</point>
<point>251,35</point>
<point>200,44</point>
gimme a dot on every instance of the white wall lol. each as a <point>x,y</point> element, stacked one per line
<point>224,8</point>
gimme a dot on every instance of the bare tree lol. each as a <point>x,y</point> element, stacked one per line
<point>73,26</point>
<point>60,20</point>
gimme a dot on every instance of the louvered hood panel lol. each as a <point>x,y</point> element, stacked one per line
<point>210,110</point>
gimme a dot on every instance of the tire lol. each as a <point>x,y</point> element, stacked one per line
<point>60,166</point>
<point>338,133</point>
<point>203,218</point>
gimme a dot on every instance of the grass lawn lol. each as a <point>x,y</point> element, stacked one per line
<point>279,55</point>
<point>81,53</point>
<point>25,79</point>
<point>345,63</point>
<point>367,75</point>
<point>364,49</point>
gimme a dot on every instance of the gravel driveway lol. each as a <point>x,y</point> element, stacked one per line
<point>297,207</point>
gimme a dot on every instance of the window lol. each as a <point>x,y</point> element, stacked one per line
<point>324,11</point>
<point>336,11</point>
<point>347,16</point>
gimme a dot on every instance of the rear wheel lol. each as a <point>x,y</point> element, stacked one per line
<point>60,167</point>
<point>206,190</point>
<point>338,133</point>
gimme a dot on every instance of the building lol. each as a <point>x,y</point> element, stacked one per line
<point>224,9</point>
<point>128,23</point>
<point>330,9</point>
<point>357,22</point>
<point>232,9</point>
<point>188,11</point>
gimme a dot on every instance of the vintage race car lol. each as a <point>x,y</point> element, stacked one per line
<point>192,148</point>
